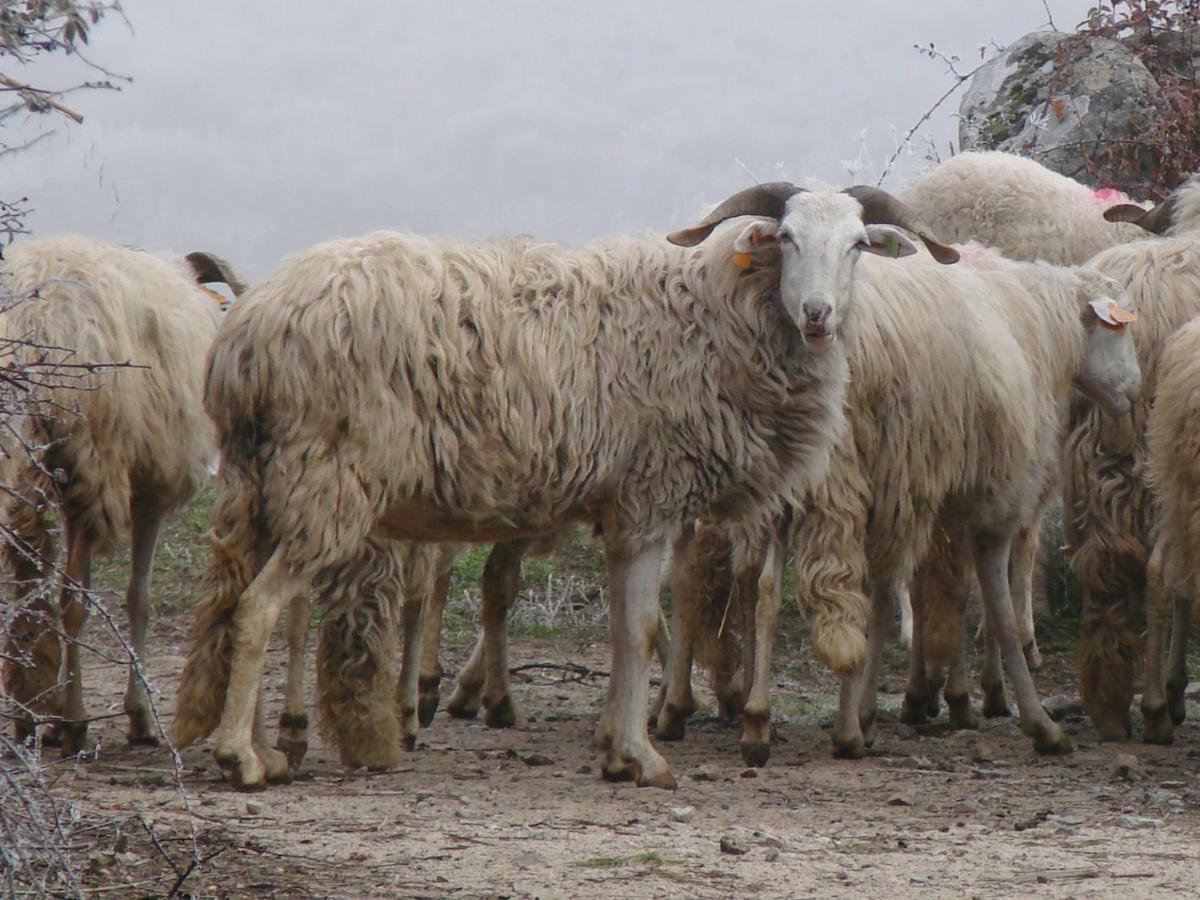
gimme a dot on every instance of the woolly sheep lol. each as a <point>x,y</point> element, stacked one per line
<point>1027,212</point>
<point>113,450</point>
<point>960,380</point>
<point>1106,502</point>
<point>392,387</point>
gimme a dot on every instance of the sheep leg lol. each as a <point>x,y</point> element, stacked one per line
<point>883,610</point>
<point>501,582</point>
<point>33,651</point>
<point>678,702</point>
<point>1157,725</point>
<point>847,733</point>
<point>914,709</point>
<point>1024,558</point>
<point>411,614</point>
<point>292,738</point>
<point>431,641</point>
<point>991,677</point>
<point>991,563</point>
<point>633,578</point>
<point>756,717</point>
<point>250,767</point>
<point>74,727</point>
<point>1177,675</point>
<point>746,586</point>
<point>142,728</point>
<point>906,618</point>
<point>464,703</point>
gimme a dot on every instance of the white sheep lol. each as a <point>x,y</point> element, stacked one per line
<point>960,379</point>
<point>108,453</point>
<point>1027,212</point>
<point>392,387</point>
<point>1108,510</point>
<point>1172,436</point>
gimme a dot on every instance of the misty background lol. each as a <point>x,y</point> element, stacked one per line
<point>255,129</point>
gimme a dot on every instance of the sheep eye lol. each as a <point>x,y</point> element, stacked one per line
<point>859,246</point>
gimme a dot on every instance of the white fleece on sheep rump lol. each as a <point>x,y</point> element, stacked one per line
<point>138,430</point>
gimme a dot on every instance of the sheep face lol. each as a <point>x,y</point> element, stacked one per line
<point>820,238</point>
<point>1109,374</point>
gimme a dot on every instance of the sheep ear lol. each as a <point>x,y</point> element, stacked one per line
<point>1111,314</point>
<point>886,240</point>
<point>756,236</point>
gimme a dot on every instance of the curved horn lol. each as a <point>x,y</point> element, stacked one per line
<point>208,267</point>
<point>768,200</point>
<point>1155,220</point>
<point>880,207</point>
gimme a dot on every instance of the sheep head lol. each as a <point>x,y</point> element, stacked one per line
<point>819,236</point>
<point>1109,373</point>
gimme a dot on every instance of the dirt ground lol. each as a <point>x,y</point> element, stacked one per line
<point>477,812</point>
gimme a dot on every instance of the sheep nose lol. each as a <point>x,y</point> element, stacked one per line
<point>816,312</point>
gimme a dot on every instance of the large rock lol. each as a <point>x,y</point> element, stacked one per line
<point>1076,103</point>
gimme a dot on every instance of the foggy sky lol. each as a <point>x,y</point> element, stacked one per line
<point>258,128</point>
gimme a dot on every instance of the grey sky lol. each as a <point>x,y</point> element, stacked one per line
<point>258,128</point>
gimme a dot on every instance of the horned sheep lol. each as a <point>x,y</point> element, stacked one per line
<point>105,451</point>
<point>959,388</point>
<point>392,387</point>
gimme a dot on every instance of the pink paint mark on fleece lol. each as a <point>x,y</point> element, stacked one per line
<point>978,257</point>
<point>1106,196</point>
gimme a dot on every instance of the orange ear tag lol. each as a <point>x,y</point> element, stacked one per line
<point>742,261</point>
<point>1124,316</point>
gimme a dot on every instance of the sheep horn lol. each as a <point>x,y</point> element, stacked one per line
<point>208,267</point>
<point>881,208</point>
<point>768,200</point>
<point>1155,220</point>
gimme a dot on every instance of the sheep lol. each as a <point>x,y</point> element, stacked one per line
<point>960,380</point>
<point>137,449</point>
<point>1019,207</point>
<point>393,387</point>
<point>1107,504</point>
<point>1108,510</point>
<point>1027,212</point>
<point>1171,440</point>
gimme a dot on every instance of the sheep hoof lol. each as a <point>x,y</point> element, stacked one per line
<point>914,710</point>
<point>53,736</point>
<point>427,706</point>
<point>961,715</point>
<point>501,713</point>
<point>426,709</point>
<point>292,739</point>
<point>1177,702</point>
<point>995,706</point>
<point>142,732</point>
<point>849,748</point>
<point>410,743</point>
<point>672,723</point>
<point>1157,727</point>
<point>1033,656</point>
<point>755,753</point>
<point>663,779</point>
<point>463,704</point>
<point>293,749</point>
<point>74,738</point>
<point>1052,742</point>
<point>278,771</point>
<point>618,772</point>
<point>245,775</point>
<point>730,706</point>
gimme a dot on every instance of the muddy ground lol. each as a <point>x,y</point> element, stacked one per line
<point>476,812</point>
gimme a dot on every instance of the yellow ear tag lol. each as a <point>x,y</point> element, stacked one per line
<point>742,261</point>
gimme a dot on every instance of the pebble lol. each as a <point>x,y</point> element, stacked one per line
<point>917,762</point>
<point>585,769</point>
<point>1127,767</point>
<point>966,806</point>
<point>254,809</point>
<point>771,855</point>
<point>749,773</point>
<point>1060,707</point>
<point>983,752</point>
<point>899,800</point>
<point>537,759</point>
<point>732,847</point>
<point>1136,822</point>
<point>703,774</point>
<point>681,814</point>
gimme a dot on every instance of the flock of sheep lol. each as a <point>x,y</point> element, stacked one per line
<point>807,373</point>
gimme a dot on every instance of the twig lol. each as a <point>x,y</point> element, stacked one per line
<point>42,96</point>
